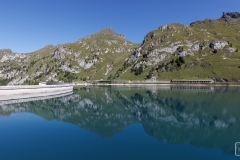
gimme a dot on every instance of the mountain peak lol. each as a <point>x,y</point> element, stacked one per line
<point>110,29</point>
<point>5,51</point>
<point>105,33</point>
<point>110,32</point>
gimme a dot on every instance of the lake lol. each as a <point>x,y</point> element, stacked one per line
<point>137,122</point>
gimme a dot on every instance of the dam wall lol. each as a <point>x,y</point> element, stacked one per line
<point>27,98</point>
<point>23,92</point>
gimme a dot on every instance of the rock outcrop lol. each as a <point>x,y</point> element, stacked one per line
<point>62,52</point>
<point>218,44</point>
<point>185,53</point>
<point>230,15</point>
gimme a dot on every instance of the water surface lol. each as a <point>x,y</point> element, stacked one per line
<point>151,122</point>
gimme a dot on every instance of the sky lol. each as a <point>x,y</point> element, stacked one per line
<point>28,25</point>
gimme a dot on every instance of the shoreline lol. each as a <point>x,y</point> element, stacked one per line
<point>36,87</point>
<point>157,84</point>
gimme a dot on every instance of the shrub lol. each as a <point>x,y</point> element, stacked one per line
<point>236,50</point>
<point>138,70</point>
<point>181,59</point>
<point>160,66</point>
<point>180,48</point>
<point>215,51</point>
<point>178,62</point>
<point>150,73</point>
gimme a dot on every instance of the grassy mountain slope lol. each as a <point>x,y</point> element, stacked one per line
<point>204,50</point>
<point>95,57</point>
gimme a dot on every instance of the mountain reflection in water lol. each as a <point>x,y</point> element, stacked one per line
<point>203,116</point>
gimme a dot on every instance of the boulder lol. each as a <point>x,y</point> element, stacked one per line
<point>195,47</point>
<point>230,49</point>
<point>163,27</point>
<point>162,57</point>
<point>218,45</point>
<point>185,53</point>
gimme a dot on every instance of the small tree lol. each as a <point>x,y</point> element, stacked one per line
<point>139,70</point>
<point>236,50</point>
<point>215,51</point>
<point>178,62</point>
<point>180,48</point>
<point>181,59</point>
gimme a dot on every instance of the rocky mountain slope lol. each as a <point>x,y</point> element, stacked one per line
<point>94,57</point>
<point>204,49</point>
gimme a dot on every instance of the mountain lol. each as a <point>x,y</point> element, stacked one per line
<point>205,49</point>
<point>94,57</point>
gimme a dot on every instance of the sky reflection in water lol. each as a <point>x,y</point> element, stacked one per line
<point>124,123</point>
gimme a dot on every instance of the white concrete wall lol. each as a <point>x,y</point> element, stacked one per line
<point>28,97</point>
<point>32,91</point>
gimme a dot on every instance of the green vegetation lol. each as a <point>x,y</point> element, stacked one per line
<point>4,82</point>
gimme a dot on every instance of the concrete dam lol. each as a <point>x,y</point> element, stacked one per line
<point>17,94</point>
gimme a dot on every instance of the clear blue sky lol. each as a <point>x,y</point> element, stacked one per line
<point>28,25</point>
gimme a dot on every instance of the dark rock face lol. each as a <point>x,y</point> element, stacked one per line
<point>230,15</point>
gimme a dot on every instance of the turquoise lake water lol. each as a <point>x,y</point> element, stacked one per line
<point>149,122</point>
